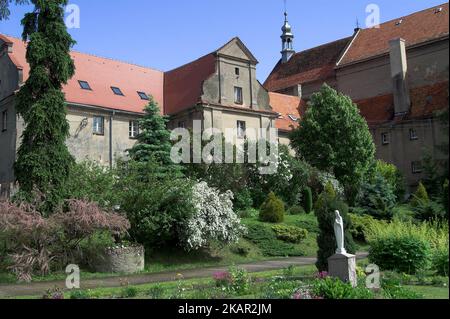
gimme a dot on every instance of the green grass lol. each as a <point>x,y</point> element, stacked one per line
<point>430,292</point>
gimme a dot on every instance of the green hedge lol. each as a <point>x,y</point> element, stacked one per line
<point>272,210</point>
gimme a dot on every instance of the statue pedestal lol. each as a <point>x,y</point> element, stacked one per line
<point>343,266</point>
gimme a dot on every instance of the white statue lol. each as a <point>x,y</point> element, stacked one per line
<point>339,233</point>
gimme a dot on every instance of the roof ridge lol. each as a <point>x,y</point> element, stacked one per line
<point>96,56</point>
<point>324,44</point>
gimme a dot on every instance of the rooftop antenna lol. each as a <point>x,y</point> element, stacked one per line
<point>357,25</point>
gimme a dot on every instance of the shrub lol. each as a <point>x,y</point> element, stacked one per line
<point>156,292</point>
<point>325,207</point>
<point>36,243</point>
<point>249,213</point>
<point>239,281</point>
<point>404,246</point>
<point>243,200</point>
<point>264,237</point>
<point>272,210</point>
<point>80,294</point>
<point>361,225</point>
<point>214,219</point>
<point>307,200</point>
<point>440,261</point>
<point>290,234</point>
<point>393,177</point>
<point>445,197</point>
<point>296,210</point>
<point>377,198</point>
<point>427,210</point>
<point>420,196</point>
<point>129,292</point>
<point>92,182</point>
<point>278,288</point>
<point>333,288</point>
<point>157,206</point>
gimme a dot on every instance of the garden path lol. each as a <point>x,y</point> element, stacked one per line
<point>39,288</point>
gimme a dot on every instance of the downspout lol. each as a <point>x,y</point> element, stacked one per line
<point>251,84</point>
<point>110,139</point>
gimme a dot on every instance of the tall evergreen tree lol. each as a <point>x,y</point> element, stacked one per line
<point>44,161</point>
<point>335,138</point>
<point>154,140</point>
<point>4,7</point>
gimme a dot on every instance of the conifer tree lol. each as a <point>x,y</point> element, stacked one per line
<point>44,161</point>
<point>154,140</point>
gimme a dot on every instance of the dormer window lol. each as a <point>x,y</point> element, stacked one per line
<point>85,85</point>
<point>143,96</point>
<point>293,117</point>
<point>116,90</point>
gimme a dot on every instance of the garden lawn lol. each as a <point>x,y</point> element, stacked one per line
<point>430,292</point>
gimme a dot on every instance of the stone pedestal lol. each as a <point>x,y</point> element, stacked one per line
<point>343,266</point>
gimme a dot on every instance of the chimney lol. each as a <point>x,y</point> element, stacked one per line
<point>399,74</point>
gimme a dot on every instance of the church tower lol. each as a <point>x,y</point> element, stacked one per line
<point>287,39</point>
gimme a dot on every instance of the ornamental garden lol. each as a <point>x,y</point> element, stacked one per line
<point>148,214</point>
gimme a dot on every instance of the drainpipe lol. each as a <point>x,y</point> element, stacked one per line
<point>110,139</point>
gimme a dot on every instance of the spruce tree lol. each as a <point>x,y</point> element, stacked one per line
<point>44,161</point>
<point>154,143</point>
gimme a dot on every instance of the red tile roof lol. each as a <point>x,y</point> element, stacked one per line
<point>416,28</point>
<point>101,74</point>
<point>286,105</point>
<point>307,66</point>
<point>183,86</point>
<point>425,101</point>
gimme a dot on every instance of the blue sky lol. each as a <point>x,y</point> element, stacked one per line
<point>167,34</point>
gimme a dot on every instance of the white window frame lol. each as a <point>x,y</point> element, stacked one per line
<point>98,127</point>
<point>385,139</point>
<point>416,167</point>
<point>133,129</point>
<point>238,95</point>
<point>413,134</point>
<point>241,129</point>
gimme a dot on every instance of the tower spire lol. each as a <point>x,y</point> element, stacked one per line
<point>287,39</point>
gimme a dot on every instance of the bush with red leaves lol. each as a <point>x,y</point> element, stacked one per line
<point>33,243</point>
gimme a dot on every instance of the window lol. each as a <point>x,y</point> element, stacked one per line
<point>241,129</point>
<point>416,167</point>
<point>4,121</point>
<point>413,135</point>
<point>85,85</point>
<point>116,90</point>
<point>99,127</point>
<point>385,138</point>
<point>237,71</point>
<point>133,129</point>
<point>143,96</point>
<point>182,124</point>
<point>238,95</point>
<point>293,117</point>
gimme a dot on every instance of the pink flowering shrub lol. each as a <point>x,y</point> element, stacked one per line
<point>34,242</point>
<point>321,275</point>
<point>222,278</point>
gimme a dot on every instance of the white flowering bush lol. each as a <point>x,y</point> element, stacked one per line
<point>326,178</point>
<point>214,219</point>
